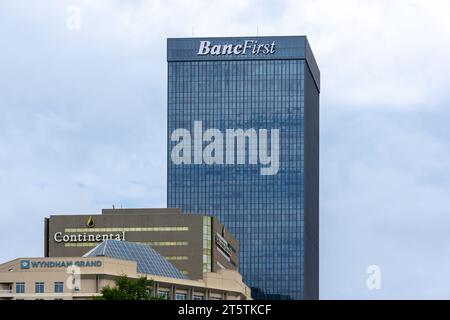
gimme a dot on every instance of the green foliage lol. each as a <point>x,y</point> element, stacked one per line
<point>128,289</point>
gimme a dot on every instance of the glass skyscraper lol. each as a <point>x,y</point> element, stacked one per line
<point>243,145</point>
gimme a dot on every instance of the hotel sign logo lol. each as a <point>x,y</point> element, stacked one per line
<point>24,264</point>
<point>90,222</point>
<point>247,47</point>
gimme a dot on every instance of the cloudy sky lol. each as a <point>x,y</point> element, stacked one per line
<point>83,122</point>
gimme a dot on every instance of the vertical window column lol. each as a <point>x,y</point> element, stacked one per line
<point>39,287</point>
<point>207,244</point>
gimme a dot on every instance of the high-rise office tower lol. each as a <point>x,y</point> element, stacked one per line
<point>243,145</point>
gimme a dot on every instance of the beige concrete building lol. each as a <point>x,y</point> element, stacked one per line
<point>72,278</point>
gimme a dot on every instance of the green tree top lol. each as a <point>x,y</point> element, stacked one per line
<point>128,289</point>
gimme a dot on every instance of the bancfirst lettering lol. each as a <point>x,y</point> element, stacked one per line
<point>84,237</point>
<point>247,47</point>
<point>227,149</point>
<point>65,264</point>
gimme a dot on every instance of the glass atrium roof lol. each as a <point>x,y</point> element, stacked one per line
<point>148,260</point>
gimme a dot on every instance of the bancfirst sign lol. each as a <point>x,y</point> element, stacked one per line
<point>60,237</point>
<point>28,264</point>
<point>247,47</point>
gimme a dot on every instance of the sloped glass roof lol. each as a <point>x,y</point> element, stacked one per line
<point>148,260</point>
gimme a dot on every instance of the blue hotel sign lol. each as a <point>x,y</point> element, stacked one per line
<point>27,264</point>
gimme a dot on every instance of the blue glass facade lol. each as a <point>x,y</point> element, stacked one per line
<point>252,84</point>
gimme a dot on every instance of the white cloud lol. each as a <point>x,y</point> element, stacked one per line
<point>384,187</point>
<point>389,54</point>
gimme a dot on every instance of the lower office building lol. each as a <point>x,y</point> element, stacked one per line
<point>193,243</point>
<point>81,278</point>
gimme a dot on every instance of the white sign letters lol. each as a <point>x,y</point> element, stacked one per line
<point>251,47</point>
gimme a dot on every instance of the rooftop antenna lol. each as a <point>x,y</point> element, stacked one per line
<point>114,207</point>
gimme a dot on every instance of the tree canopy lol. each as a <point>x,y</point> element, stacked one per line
<point>128,289</point>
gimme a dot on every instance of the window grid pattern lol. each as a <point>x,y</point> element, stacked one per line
<point>265,213</point>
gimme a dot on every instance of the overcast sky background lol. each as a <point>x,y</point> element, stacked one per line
<point>83,123</point>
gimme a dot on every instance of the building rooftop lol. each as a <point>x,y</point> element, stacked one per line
<point>147,259</point>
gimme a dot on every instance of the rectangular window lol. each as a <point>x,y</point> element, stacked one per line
<point>39,287</point>
<point>198,297</point>
<point>59,287</point>
<point>163,294</point>
<point>20,287</point>
<point>177,258</point>
<point>180,296</point>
